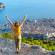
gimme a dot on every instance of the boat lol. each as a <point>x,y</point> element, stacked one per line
<point>2,5</point>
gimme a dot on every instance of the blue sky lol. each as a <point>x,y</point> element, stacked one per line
<point>34,8</point>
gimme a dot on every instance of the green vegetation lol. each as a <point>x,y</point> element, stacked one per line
<point>49,45</point>
<point>6,35</point>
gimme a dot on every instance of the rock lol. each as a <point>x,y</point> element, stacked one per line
<point>9,49</point>
<point>35,47</point>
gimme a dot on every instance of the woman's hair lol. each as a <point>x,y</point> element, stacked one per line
<point>16,24</point>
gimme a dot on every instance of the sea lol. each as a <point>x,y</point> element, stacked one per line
<point>16,9</point>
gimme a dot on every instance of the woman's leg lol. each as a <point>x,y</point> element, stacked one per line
<point>19,42</point>
<point>16,44</point>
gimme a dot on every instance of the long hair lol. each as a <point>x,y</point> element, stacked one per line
<point>16,24</point>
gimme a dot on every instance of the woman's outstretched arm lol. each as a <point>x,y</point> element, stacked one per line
<point>23,21</point>
<point>9,20</point>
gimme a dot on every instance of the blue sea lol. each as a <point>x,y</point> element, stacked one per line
<point>32,8</point>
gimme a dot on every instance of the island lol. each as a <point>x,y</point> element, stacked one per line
<point>2,5</point>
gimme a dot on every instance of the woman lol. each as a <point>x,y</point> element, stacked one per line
<point>16,30</point>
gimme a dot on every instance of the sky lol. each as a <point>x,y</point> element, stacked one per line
<point>33,8</point>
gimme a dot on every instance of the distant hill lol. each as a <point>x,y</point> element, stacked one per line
<point>35,26</point>
<point>40,25</point>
